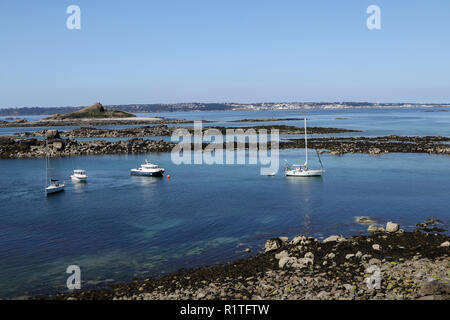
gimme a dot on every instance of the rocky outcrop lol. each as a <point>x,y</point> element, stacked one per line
<point>30,148</point>
<point>409,265</point>
<point>374,146</point>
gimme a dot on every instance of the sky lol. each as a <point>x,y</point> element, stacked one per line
<point>130,52</point>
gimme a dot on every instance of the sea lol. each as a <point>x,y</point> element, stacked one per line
<point>117,227</point>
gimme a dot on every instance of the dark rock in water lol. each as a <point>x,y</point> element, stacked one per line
<point>20,121</point>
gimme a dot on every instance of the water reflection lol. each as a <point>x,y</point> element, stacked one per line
<point>305,189</point>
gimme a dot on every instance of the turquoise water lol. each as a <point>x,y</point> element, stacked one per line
<point>117,227</point>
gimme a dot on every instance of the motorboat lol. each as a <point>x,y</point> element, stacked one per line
<point>148,169</point>
<point>79,175</point>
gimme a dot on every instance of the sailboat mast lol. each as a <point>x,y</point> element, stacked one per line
<point>306,146</point>
<point>46,168</point>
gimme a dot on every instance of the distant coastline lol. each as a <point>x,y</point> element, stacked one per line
<point>196,107</point>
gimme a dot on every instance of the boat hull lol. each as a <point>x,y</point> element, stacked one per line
<point>306,173</point>
<point>158,173</point>
<point>78,178</point>
<point>52,190</point>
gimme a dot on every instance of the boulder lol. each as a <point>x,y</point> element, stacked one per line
<point>298,239</point>
<point>273,244</point>
<point>282,254</point>
<point>365,220</point>
<point>287,262</point>
<point>445,244</point>
<point>334,239</point>
<point>392,227</point>
<point>302,263</point>
<point>309,255</point>
<point>52,134</point>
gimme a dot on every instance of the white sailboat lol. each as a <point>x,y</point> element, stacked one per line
<point>54,185</point>
<point>302,170</point>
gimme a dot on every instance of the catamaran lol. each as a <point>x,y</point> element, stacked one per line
<point>54,185</point>
<point>302,170</point>
<point>148,169</point>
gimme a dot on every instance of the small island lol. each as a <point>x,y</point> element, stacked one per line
<point>95,111</point>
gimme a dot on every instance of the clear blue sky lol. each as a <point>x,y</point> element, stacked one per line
<point>223,50</point>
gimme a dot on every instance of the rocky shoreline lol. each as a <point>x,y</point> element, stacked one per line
<point>411,265</point>
<point>89,122</point>
<point>376,145</point>
<point>11,148</point>
<point>32,148</point>
<point>164,130</point>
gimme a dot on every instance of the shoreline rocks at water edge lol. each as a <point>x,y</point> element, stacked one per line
<point>410,265</point>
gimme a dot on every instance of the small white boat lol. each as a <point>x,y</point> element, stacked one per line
<point>79,175</point>
<point>148,169</point>
<point>54,187</point>
<point>302,170</point>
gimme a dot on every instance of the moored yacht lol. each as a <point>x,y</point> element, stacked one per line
<point>54,187</point>
<point>148,169</point>
<point>302,170</point>
<point>79,175</point>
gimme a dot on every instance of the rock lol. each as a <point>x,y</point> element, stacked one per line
<point>434,287</point>
<point>364,220</point>
<point>330,255</point>
<point>348,287</point>
<point>302,263</point>
<point>349,256</point>
<point>309,255</point>
<point>392,227</point>
<point>366,256</point>
<point>298,239</point>
<point>334,238</point>
<point>445,244</point>
<point>284,239</point>
<point>247,250</point>
<point>374,261</point>
<point>282,254</point>
<point>52,134</point>
<point>322,295</point>
<point>273,244</point>
<point>286,262</point>
<point>372,228</point>
<point>376,247</point>
<point>358,255</point>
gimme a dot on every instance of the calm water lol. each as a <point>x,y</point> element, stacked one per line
<point>373,122</point>
<point>116,227</point>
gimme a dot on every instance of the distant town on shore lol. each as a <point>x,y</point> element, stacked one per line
<point>183,107</point>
